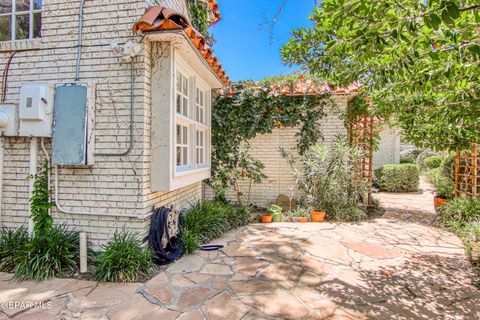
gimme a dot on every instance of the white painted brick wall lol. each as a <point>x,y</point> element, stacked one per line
<point>118,185</point>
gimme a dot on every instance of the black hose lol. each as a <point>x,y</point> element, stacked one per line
<point>159,230</point>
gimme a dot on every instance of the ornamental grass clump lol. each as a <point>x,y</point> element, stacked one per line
<point>54,252</point>
<point>208,220</point>
<point>123,259</point>
<point>11,242</point>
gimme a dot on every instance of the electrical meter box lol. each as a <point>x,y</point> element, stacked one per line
<point>8,120</point>
<point>73,140</point>
<point>35,112</point>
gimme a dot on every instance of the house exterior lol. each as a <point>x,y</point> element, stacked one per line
<point>127,131</point>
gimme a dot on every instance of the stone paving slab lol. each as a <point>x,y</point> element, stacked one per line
<point>391,268</point>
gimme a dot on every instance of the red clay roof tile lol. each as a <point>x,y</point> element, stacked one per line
<point>161,18</point>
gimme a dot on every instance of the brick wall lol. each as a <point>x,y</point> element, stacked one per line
<point>115,185</point>
<point>280,179</point>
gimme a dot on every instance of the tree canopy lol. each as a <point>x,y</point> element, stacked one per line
<point>416,60</point>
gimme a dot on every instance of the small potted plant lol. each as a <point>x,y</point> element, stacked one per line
<point>302,215</point>
<point>276,213</point>
<point>318,216</point>
<point>267,217</point>
<point>444,191</point>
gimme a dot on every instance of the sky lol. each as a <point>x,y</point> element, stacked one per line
<point>243,42</point>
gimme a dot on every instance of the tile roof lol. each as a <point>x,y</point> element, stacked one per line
<point>161,18</point>
<point>300,87</point>
<point>214,7</point>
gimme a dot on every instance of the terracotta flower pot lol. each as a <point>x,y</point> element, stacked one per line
<point>302,219</point>
<point>266,218</point>
<point>318,216</point>
<point>438,202</point>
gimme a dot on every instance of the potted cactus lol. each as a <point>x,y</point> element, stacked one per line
<point>276,213</point>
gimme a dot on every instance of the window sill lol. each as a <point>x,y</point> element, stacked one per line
<point>187,172</point>
<point>17,45</point>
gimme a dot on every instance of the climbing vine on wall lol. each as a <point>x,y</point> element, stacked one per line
<point>40,201</point>
<point>250,110</point>
<point>200,18</point>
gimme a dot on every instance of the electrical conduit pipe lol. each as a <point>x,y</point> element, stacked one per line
<point>32,172</point>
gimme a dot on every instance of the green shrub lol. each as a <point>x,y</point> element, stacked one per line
<point>348,214</point>
<point>55,252</point>
<point>432,162</point>
<point>410,155</point>
<point>11,242</point>
<point>123,259</point>
<point>462,216</point>
<point>444,185</point>
<point>460,212</point>
<point>398,177</point>
<point>208,220</point>
<point>424,155</point>
<point>190,242</point>
<point>448,165</point>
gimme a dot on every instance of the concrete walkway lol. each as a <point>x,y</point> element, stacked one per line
<point>381,269</point>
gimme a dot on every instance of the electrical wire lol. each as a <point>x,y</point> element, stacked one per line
<point>5,76</point>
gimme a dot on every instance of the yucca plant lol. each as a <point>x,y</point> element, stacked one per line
<point>54,252</point>
<point>123,259</point>
<point>11,242</point>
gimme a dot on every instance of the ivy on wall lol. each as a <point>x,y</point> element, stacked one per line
<point>253,110</point>
<point>199,14</point>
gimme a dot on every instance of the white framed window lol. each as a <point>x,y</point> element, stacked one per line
<point>182,147</point>
<point>182,94</point>
<point>192,104</point>
<point>20,19</point>
<point>200,147</point>
<point>200,102</point>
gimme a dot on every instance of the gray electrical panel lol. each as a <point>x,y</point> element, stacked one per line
<point>70,125</point>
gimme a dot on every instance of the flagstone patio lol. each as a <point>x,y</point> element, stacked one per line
<point>380,269</point>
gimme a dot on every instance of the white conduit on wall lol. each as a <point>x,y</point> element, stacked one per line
<point>32,172</point>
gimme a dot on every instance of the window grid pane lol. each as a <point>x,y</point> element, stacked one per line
<point>22,19</point>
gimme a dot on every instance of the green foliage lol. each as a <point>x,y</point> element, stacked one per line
<point>40,201</point>
<point>11,243</point>
<point>190,242</point>
<point>443,184</point>
<point>462,216</point>
<point>123,259</point>
<point>410,155</point>
<point>422,156</point>
<point>432,162</point>
<point>460,212</point>
<point>200,20</point>
<point>208,220</point>
<point>398,177</point>
<point>302,213</point>
<point>326,179</point>
<point>448,166</point>
<point>418,61</point>
<point>275,210</point>
<point>52,253</point>
<point>252,110</point>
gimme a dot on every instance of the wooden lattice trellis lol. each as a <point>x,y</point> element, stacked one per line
<point>467,172</point>
<point>361,133</point>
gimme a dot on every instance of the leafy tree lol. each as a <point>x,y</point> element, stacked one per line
<point>417,60</point>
